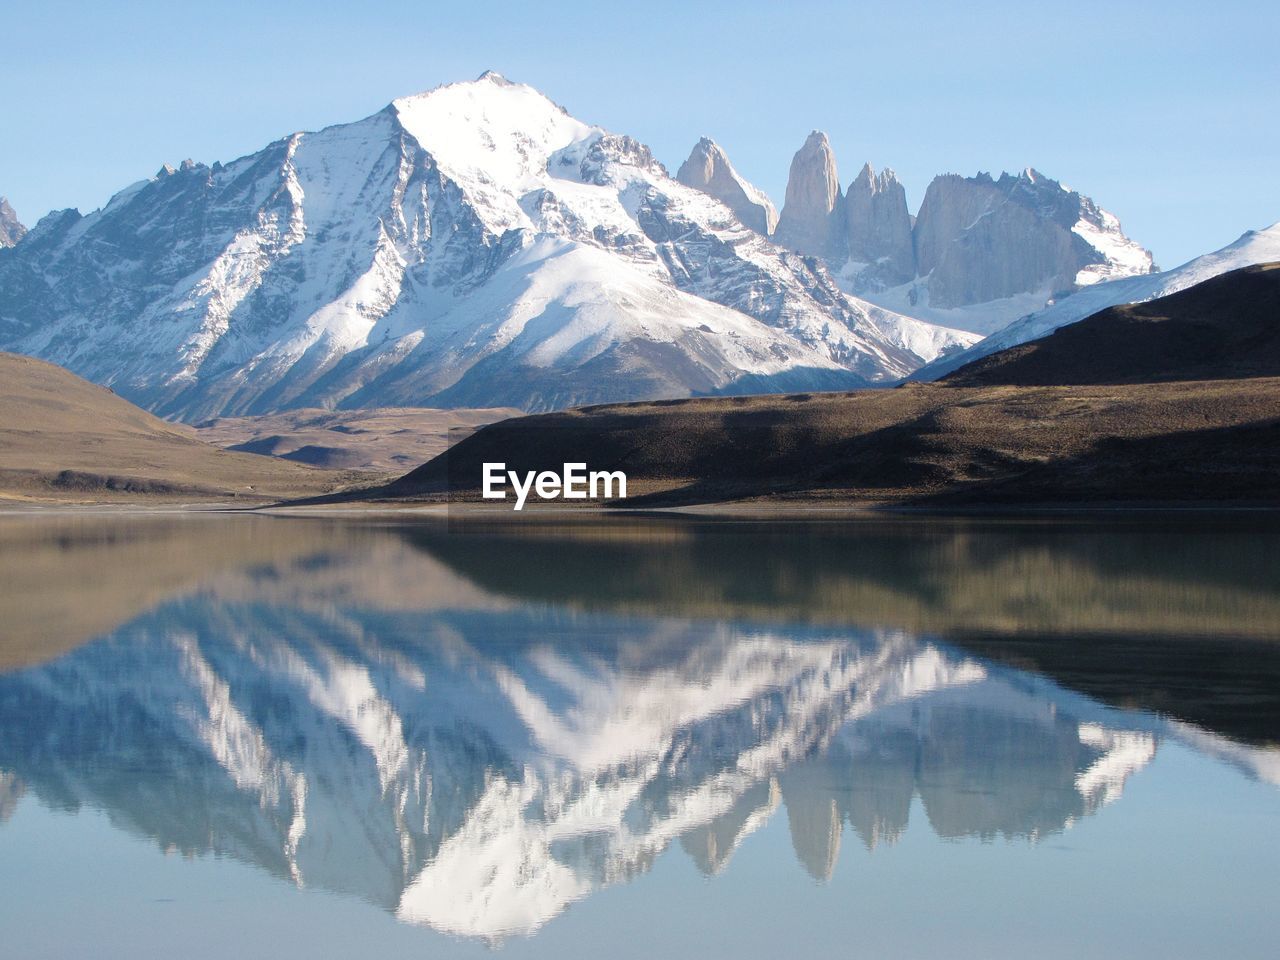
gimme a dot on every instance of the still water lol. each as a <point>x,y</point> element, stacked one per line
<point>278,737</point>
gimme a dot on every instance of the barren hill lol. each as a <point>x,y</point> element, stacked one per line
<point>64,438</point>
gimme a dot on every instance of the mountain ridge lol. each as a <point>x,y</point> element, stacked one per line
<point>980,252</point>
<point>1226,327</point>
<point>1251,248</point>
<point>472,245</point>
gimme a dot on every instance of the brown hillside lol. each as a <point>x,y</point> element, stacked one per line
<point>64,438</point>
<point>1225,328</point>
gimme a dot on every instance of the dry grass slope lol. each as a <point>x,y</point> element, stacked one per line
<point>384,439</point>
<point>1177,442</point>
<point>63,438</point>
<point>1226,327</point>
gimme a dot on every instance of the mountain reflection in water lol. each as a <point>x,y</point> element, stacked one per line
<point>370,713</point>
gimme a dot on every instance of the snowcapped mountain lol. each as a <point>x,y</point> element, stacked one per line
<point>1255,246</point>
<point>11,228</point>
<point>473,245</point>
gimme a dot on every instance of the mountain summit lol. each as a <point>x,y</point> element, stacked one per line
<point>878,229</point>
<point>472,245</point>
<point>1041,235</point>
<point>810,221</point>
<point>708,169</point>
<point>11,229</point>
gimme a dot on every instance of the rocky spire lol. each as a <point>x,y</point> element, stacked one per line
<point>708,169</point>
<point>11,229</point>
<point>812,219</point>
<point>878,229</point>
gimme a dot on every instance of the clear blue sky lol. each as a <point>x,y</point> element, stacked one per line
<point>1166,113</point>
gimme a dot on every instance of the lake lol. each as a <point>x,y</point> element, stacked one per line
<point>579,736</point>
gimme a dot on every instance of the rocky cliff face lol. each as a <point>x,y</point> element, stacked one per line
<point>979,239</point>
<point>981,253</point>
<point>987,251</point>
<point>471,246</point>
<point>811,221</point>
<point>11,229</point>
<point>951,205</point>
<point>708,169</point>
<point>878,228</point>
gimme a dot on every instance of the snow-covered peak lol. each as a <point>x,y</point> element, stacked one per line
<point>464,123</point>
<point>1252,246</point>
<point>470,245</point>
<point>492,135</point>
<point>1120,256</point>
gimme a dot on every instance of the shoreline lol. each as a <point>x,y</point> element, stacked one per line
<point>762,510</point>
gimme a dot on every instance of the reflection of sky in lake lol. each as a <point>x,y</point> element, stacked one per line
<point>562,778</point>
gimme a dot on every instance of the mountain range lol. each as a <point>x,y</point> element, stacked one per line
<point>477,246</point>
<point>981,252</point>
<point>473,245</point>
